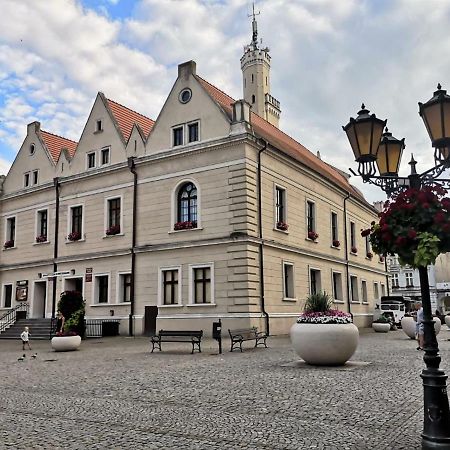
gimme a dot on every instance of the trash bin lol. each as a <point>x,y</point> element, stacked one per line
<point>110,328</point>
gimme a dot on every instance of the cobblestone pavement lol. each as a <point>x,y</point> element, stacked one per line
<point>114,394</point>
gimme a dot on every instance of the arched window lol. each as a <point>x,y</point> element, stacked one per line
<point>187,205</point>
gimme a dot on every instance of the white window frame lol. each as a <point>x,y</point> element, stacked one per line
<point>32,177</point>
<point>100,162</point>
<point>316,269</point>
<point>283,188</point>
<point>284,265</point>
<point>37,225</point>
<point>331,226</point>
<point>352,230</point>
<point>411,277</point>
<point>174,205</point>
<point>376,290</point>
<point>106,214</point>
<point>3,299</point>
<point>364,292</point>
<point>172,140</point>
<point>192,122</point>
<point>93,152</point>
<point>69,220</point>
<point>209,265</point>
<point>25,185</point>
<point>355,290</point>
<point>395,280</point>
<point>95,292</point>
<point>314,215</point>
<point>383,289</point>
<point>337,300</point>
<point>119,288</point>
<point>7,229</point>
<point>160,287</point>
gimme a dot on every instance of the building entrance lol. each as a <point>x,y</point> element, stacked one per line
<point>151,312</point>
<point>39,300</point>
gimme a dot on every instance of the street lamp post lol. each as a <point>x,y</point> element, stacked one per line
<point>374,150</point>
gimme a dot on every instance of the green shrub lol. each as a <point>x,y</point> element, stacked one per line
<point>71,305</point>
<point>319,302</point>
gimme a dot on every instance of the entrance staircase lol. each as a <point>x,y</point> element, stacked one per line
<point>39,329</point>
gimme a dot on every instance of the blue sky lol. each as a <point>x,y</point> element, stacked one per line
<point>327,58</point>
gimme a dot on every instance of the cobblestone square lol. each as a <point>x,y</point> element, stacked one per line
<point>114,394</point>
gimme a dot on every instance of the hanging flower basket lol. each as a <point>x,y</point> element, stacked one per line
<point>283,226</point>
<point>114,229</point>
<point>185,225</point>
<point>74,236</point>
<point>312,235</point>
<point>8,244</point>
<point>41,238</point>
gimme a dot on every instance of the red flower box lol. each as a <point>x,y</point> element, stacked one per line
<point>369,255</point>
<point>336,243</point>
<point>283,226</point>
<point>111,231</point>
<point>8,244</point>
<point>354,250</point>
<point>74,236</point>
<point>312,235</point>
<point>185,225</point>
<point>41,238</point>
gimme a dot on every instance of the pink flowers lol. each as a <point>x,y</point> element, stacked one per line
<point>41,238</point>
<point>283,226</point>
<point>185,225</point>
<point>112,230</point>
<point>74,236</point>
<point>330,316</point>
<point>8,244</point>
<point>336,243</point>
<point>312,235</point>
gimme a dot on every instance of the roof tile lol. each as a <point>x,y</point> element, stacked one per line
<point>55,144</point>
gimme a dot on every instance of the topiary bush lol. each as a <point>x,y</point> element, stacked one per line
<point>71,305</point>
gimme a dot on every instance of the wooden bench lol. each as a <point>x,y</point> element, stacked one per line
<point>194,337</point>
<point>247,334</point>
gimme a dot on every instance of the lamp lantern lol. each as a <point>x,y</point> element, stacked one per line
<point>389,154</point>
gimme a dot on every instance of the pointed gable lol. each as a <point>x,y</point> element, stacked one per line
<point>281,140</point>
<point>55,144</point>
<point>126,118</point>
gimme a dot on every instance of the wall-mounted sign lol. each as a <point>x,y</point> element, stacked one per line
<point>21,293</point>
<point>88,269</point>
<point>22,283</point>
<point>88,278</point>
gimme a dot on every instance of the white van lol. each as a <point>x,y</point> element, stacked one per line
<point>393,308</point>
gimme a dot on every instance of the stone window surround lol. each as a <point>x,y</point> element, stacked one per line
<point>160,286</point>
<point>209,265</point>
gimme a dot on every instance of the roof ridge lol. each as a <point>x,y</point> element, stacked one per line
<point>129,109</point>
<point>57,135</point>
<point>215,87</point>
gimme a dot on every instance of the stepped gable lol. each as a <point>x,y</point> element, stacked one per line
<point>55,144</point>
<point>126,118</point>
<point>282,141</point>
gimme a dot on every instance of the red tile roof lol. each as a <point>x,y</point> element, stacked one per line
<point>281,140</point>
<point>55,144</point>
<point>126,118</point>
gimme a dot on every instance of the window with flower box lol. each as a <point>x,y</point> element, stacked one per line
<point>186,207</point>
<point>334,230</point>
<point>10,235</point>
<point>76,223</point>
<point>353,237</point>
<point>310,218</point>
<point>42,226</point>
<point>280,209</point>
<point>114,216</point>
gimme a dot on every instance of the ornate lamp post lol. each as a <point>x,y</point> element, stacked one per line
<point>376,150</point>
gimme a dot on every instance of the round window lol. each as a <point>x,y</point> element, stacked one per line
<point>185,95</point>
<point>32,148</point>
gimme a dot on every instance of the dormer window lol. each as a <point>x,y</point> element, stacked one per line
<point>91,160</point>
<point>98,126</point>
<point>105,156</point>
<point>32,149</point>
<point>177,136</point>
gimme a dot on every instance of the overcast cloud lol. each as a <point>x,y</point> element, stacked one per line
<point>328,57</point>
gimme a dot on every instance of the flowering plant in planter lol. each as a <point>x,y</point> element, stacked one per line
<point>336,243</point>
<point>283,226</point>
<point>41,238</point>
<point>312,235</point>
<point>72,307</point>
<point>185,225</point>
<point>318,310</point>
<point>354,250</point>
<point>415,225</point>
<point>112,230</point>
<point>66,333</point>
<point>74,236</point>
<point>8,244</point>
<point>369,255</point>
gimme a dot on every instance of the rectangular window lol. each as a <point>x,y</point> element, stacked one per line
<point>170,287</point>
<point>202,284</point>
<point>368,249</point>
<point>114,214</point>
<point>7,295</point>
<point>177,136</point>
<point>102,288</point>
<point>26,180</point>
<point>35,176</point>
<point>314,281</point>
<point>337,287</point>
<point>354,294</point>
<point>288,280</point>
<point>395,280</point>
<point>42,224</point>
<point>383,290</point>
<point>376,293</point>
<point>364,291</point>
<point>334,228</point>
<point>105,156</point>
<point>76,219</point>
<point>409,279</point>
<point>193,132</point>
<point>352,235</point>
<point>11,229</point>
<point>91,160</point>
<point>310,216</point>
<point>125,287</point>
<point>98,125</point>
<point>280,205</point>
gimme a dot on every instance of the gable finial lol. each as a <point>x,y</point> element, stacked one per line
<point>254,43</point>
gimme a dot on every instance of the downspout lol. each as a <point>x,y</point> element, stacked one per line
<point>261,244</point>
<point>132,168</point>
<point>347,274</point>
<point>387,275</point>
<point>55,246</point>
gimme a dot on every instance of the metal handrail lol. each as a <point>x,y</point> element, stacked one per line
<point>9,317</point>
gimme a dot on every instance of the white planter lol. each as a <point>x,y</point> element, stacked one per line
<point>447,321</point>
<point>381,327</point>
<point>65,343</point>
<point>324,344</point>
<point>409,326</point>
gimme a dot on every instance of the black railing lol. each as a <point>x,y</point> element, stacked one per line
<point>102,327</point>
<point>10,317</point>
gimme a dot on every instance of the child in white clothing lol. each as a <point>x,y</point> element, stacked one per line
<point>25,336</point>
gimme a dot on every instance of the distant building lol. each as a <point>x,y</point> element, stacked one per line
<point>209,212</point>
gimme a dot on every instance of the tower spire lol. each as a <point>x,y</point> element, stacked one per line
<point>254,42</point>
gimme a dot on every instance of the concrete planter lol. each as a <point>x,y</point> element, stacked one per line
<point>324,344</point>
<point>381,327</point>
<point>409,326</point>
<point>65,343</point>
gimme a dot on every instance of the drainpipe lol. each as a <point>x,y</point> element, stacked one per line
<point>132,168</point>
<point>387,275</point>
<point>261,244</point>
<point>55,246</point>
<point>347,274</point>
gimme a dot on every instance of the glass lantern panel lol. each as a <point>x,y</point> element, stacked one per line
<point>432,118</point>
<point>353,142</point>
